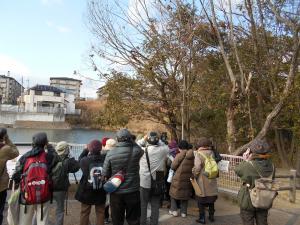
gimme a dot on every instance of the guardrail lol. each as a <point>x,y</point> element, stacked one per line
<point>229,182</point>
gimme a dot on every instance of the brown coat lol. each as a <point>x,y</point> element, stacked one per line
<point>7,152</point>
<point>181,188</point>
<point>208,186</point>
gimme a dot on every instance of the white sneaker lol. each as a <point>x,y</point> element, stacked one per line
<point>174,213</point>
<point>183,215</point>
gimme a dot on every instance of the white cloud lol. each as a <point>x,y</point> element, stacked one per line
<point>63,29</point>
<point>59,28</point>
<point>50,2</point>
<point>136,9</point>
<point>8,63</point>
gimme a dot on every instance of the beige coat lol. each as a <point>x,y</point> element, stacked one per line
<point>208,186</point>
<point>181,188</point>
<point>7,152</point>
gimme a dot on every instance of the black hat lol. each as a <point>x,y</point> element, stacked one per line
<point>183,144</point>
<point>3,132</point>
<point>260,147</point>
<point>152,138</point>
<point>40,139</point>
<point>124,135</point>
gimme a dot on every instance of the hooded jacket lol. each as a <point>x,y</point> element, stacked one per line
<point>84,193</point>
<point>248,175</point>
<point>118,159</point>
<point>51,157</point>
<point>8,151</point>
<point>181,188</point>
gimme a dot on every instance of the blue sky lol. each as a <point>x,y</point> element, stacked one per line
<point>43,38</point>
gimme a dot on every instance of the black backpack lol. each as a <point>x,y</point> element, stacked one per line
<point>95,181</point>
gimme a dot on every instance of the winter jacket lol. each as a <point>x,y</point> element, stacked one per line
<point>248,175</point>
<point>85,194</point>
<point>8,151</point>
<point>69,165</point>
<point>118,159</point>
<point>51,157</point>
<point>181,188</point>
<point>208,186</point>
<point>157,158</point>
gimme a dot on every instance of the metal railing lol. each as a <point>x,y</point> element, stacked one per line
<point>228,181</point>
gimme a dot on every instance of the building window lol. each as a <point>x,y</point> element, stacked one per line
<point>38,92</point>
<point>57,94</point>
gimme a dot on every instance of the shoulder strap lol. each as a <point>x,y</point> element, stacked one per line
<point>148,162</point>
<point>203,155</point>
<point>270,177</point>
<point>129,158</point>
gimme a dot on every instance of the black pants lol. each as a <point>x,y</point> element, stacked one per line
<point>125,203</point>
<point>211,207</point>
<point>258,215</point>
<point>3,195</point>
<point>107,212</point>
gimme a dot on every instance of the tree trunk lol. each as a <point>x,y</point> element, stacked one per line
<point>298,164</point>
<point>280,148</point>
<point>231,130</point>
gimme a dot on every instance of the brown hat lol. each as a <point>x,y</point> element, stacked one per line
<point>203,142</point>
<point>260,147</point>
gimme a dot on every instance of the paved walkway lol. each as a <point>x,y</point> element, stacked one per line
<point>227,213</point>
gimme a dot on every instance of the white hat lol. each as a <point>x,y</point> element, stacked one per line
<point>110,143</point>
<point>62,148</point>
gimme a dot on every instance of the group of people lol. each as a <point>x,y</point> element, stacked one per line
<point>144,171</point>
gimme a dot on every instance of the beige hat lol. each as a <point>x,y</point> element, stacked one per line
<point>62,148</point>
<point>110,143</point>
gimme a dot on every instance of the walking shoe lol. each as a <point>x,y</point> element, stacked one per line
<point>106,221</point>
<point>201,218</point>
<point>183,215</point>
<point>174,213</point>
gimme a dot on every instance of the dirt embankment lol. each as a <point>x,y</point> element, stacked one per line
<point>90,112</point>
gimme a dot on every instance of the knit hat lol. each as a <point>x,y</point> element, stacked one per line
<point>62,148</point>
<point>123,135</point>
<point>183,144</point>
<point>3,132</point>
<point>94,147</point>
<point>40,139</point>
<point>260,147</point>
<point>173,144</point>
<point>204,142</point>
<point>110,143</point>
<point>103,142</point>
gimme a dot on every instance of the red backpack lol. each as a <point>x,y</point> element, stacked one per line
<point>35,182</point>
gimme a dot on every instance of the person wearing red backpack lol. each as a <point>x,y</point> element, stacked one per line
<point>33,174</point>
<point>8,151</point>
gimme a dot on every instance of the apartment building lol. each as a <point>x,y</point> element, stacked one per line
<point>10,90</point>
<point>69,85</point>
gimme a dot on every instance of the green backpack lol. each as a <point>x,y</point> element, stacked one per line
<point>59,176</point>
<point>211,169</point>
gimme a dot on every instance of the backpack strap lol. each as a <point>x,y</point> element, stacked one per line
<point>269,177</point>
<point>148,162</point>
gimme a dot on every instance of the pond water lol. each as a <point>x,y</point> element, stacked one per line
<point>78,136</point>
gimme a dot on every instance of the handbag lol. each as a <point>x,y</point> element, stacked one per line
<point>264,191</point>
<point>158,185</point>
<point>115,181</point>
<point>196,187</point>
<point>13,206</point>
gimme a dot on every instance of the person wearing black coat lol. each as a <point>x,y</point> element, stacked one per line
<point>86,194</point>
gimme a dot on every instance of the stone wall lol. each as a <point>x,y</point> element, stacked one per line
<point>10,118</point>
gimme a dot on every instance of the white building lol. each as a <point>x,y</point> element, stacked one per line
<point>48,99</point>
<point>10,90</point>
<point>69,85</point>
